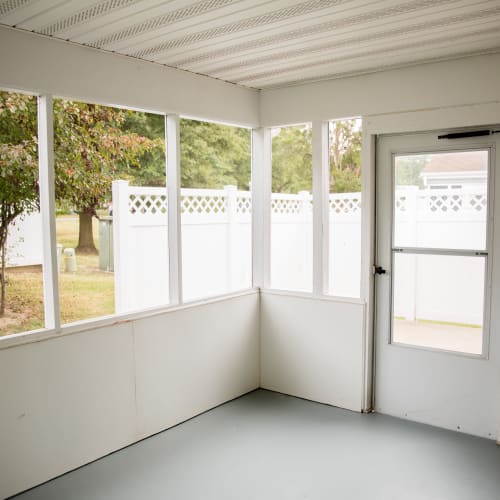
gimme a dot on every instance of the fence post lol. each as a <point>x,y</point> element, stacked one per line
<point>230,193</point>
<point>412,209</point>
<point>307,246</point>
<point>120,191</point>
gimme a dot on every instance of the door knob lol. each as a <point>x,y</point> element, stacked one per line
<point>379,270</point>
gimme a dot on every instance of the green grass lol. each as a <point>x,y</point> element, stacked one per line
<point>86,294</point>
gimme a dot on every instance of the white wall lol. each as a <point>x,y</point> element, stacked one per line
<point>41,64</point>
<point>69,400</point>
<point>455,93</point>
<point>72,399</point>
<point>473,80</point>
<point>24,246</point>
<point>313,348</point>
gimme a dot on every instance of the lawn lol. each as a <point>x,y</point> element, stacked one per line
<point>86,294</point>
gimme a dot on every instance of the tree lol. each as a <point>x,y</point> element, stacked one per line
<point>409,168</point>
<point>214,155</point>
<point>345,156</point>
<point>90,147</point>
<point>292,160</point>
<point>18,169</point>
<point>150,167</point>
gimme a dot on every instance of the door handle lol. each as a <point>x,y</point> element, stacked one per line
<point>379,270</point>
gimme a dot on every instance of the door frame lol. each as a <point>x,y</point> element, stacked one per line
<point>447,147</point>
<point>490,246</point>
<point>461,116</point>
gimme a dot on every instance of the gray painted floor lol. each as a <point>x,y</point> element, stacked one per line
<point>269,446</point>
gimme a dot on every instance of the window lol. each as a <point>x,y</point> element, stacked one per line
<point>21,250</point>
<point>345,208</point>
<point>111,201</point>
<point>215,209</point>
<point>291,208</point>
<point>440,250</point>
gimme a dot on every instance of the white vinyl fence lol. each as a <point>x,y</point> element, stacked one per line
<point>216,243</point>
<point>440,288</point>
<point>24,241</point>
<point>216,237</point>
<point>216,240</point>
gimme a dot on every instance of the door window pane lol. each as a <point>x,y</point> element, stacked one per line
<point>439,301</point>
<point>291,208</point>
<point>345,208</point>
<point>216,209</point>
<point>441,200</point>
<point>21,251</point>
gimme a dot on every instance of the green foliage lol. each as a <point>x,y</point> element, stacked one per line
<point>345,156</point>
<point>18,168</point>
<point>91,150</point>
<point>292,159</point>
<point>214,155</point>
<point>18,158</point>
<point>344,181</point>
<point>150,167</point>
<point>408,170</point>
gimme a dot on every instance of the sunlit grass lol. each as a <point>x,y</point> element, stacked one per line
<point>86,294</point>
<point>24,302</point>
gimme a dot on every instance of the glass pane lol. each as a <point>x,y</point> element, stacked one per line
<point>438,301</point>
<point>441,200</point>
<point>111,201</point>
<point>291,208</point>
<point>345,208</point>
<point>21,249</point>
<point>216,209</point>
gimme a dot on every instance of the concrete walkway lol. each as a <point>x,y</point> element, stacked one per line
<point>449,337</point>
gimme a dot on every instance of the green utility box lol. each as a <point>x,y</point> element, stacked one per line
<point>106,244</point>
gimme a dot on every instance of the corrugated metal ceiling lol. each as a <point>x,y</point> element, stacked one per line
<point>269,43</point>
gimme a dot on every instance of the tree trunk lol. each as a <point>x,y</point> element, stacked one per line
<point>85,233</point>
<point>3,278</point>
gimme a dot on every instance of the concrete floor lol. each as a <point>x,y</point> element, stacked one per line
<point>450,337</point>
<point>267,446</point>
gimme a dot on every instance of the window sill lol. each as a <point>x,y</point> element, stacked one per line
<point>310,295</point>
<point>24,338</point>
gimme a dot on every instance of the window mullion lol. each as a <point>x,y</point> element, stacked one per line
<point>320,160</point>
<point>261,206</point>
<point>47,210</point>
<point>172,127</point>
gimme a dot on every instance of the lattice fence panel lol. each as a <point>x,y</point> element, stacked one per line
<point>478,202</point>
<point>147,204</point>
<point>286,206</point>
<point>203,204</point>
<point>345,204</point>
<point>244,204</point>
<point>444,203</point>
<point>401,203</point>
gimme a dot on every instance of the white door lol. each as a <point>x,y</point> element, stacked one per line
<point>437,356</point>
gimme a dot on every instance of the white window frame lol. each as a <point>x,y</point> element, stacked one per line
<point>454,252</point>
<point>321,218</point>
<point>53,327</point>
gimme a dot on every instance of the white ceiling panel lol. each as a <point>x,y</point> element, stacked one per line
<point>345,68</point>
<point>342,40</point>
<point>349,48</point>
<point>269,43</point>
